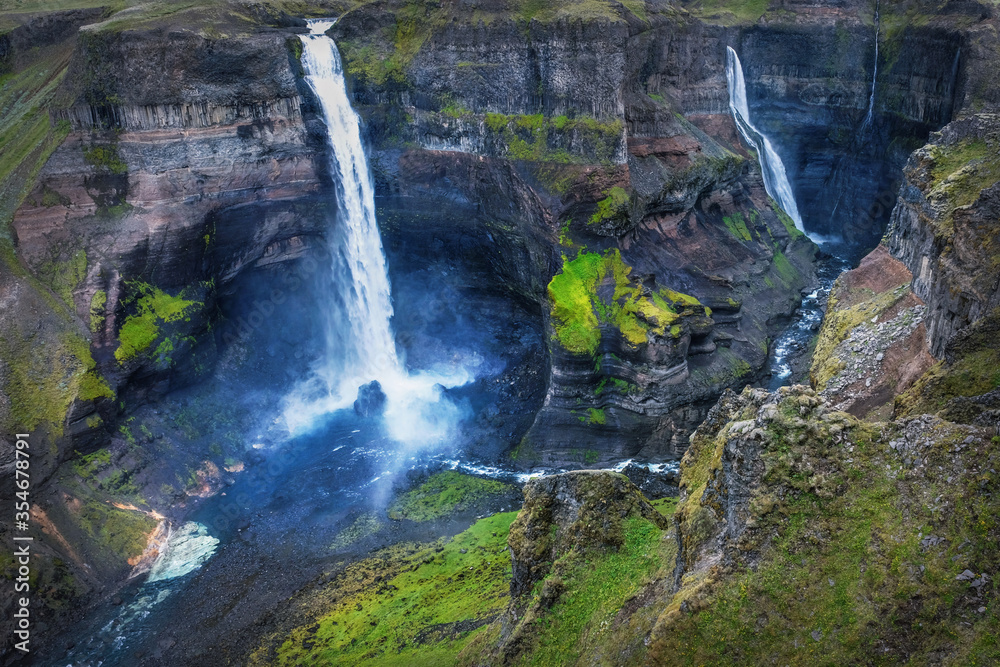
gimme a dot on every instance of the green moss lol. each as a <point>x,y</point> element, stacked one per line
<point>154,307</point>
<point>93,386</point>
<point>97,315</point>
<point>959,173</point>
<point>596,416</point>
<point>594,586</point>
<point>363,526</point>
<point>444,494</point>
<point>729,12</point>
<point>27,136</point>
<point>737,226</point>
<point>788,273</point>
<point>64,276</point>
<point>533,137</point>
<point>577,310</point>
<point>105,158</point>
<point>572,293</point>
<point>86,466</point>
<point>789,224</point>
<point>622,386</point>
<point>122,532</point>
<point>46,372</point>
<point>612,207</point>
<point>665,506</point>
<point>409,605</point>
<point>839,571</point>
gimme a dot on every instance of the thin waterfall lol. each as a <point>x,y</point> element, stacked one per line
<point>866,125</point>
<point>771,167</point>
<point>360,345</point>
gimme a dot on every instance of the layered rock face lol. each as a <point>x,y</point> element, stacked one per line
<point>945,225</point>
<point>188,162</point>
<point>809,75</point>
<point>844,165</point>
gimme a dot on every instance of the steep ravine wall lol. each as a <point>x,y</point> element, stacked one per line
<point>583,168</point>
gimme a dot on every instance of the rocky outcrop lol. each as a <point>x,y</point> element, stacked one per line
<point>567,521</point>
<point>872,345</point>
<point>575,510</point>
<point>726,468</point>
<point>944,226</point>
<point>786,505</point>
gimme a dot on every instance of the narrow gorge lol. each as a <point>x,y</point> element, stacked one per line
<point>489,332</point>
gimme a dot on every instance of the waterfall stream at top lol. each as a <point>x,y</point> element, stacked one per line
<point>360,346</point>
<point>866,125</point>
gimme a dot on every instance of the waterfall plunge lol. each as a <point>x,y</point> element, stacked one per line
<point>360,345</point>
<point>775,179</point>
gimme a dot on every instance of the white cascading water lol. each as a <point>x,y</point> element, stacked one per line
<point>866,125</point>
<point>771,167</point>
<point>360,342</point>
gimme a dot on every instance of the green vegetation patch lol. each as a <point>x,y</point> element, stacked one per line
<point>446,493</point>
<point>27,135</point>
<point>105,158</point>
<point>729,12</point>
<point>577,310</point>
<point>539,138</point>
<point>45,373</point>
<point>97,315</point>
<point>612,207</point>
<point>363,526</point>
<point>787,221</point>
<point>122,532</point>
<point>88,465</point>
<point>737,226</point>
<point>154,307</point>
<point>409,605</point>
<point>591,587</point>
<point>64,276</point>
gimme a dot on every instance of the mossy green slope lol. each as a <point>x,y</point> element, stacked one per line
<point>445,494</point>
<point>578,310</point>
<point>408,605</point>
<point>853,548</point>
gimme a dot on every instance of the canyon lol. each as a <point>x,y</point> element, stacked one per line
<point>570,213</point>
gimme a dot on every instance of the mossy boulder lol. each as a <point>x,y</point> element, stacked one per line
<point>575,510</point>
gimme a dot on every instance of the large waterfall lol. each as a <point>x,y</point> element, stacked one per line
<point>360,345</point>
<point>775,179</point>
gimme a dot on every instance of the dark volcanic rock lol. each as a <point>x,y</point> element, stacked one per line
<point>371,400</point>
